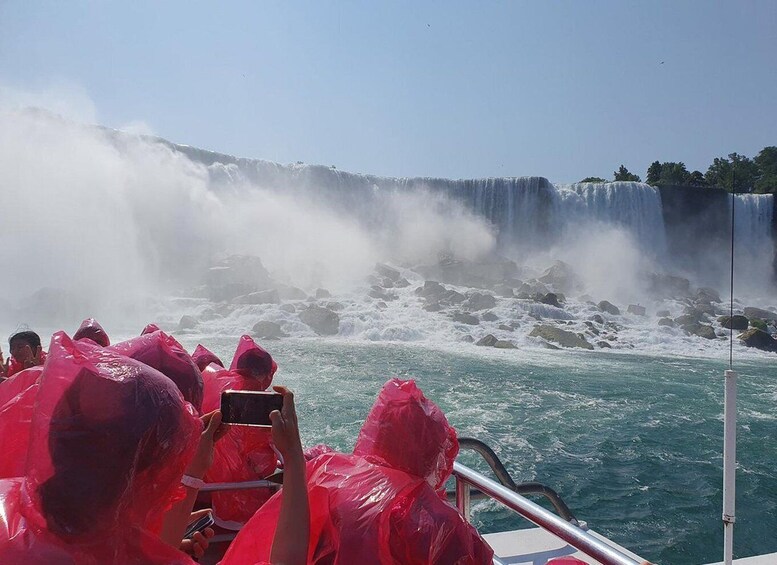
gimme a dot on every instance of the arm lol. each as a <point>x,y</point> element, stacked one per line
<point>178,517</point>
<point>290,544</point>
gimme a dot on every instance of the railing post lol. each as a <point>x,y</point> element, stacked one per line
<point>462,497</point>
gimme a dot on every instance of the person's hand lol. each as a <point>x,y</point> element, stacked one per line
<point>4,365</point>
<point>285,431</point>
<point>32,360</point>
<point>211,433</point>
<point>199,542</point>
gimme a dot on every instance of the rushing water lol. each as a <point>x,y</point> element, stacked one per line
<point>632,443</point>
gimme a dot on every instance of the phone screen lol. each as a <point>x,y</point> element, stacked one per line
<point>199,525</point>
<point>249,408</point>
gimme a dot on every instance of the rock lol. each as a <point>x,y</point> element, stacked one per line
<point>382,305</point>
<point>468,339</point>
<point>562,337</point>
<point>547,345</point>
<point>504,344</point>
<point>550,299</point>
<point>321,320</point>
<point>562,277</point>
<point>609,307</point>
<point>735,322</point>
<point>402,283</point>
<point>489,317</point>
<point>480,301</point>
<point>336,306</point>
<point>433,307</point>
<point>706,294</point>
<point>760,324</point>
<point>759,339</point>
<point>668,322</point>
<point>636,309</point>
<point>323,293</point>
<point>504,291</point>
<point>591,327</point>
<point>505,328</point>
<point>598,319</point>
<point>663,313</point>
<point>387,272</point>
<point>453,297</point>
<point>604,345</point>
<point>704,308</point>
<point>430,289</point>
<point>703,330</point>
<point>487,341</point>
<point>669,286</point>
<point>759,313</point>
<point>234,276</point>
<point>378,293</point>
<point>187,323</point>
<point>259,297</point>
<point>268,330</point>
<point>465,318</point>
<point>286,292</point>
<point>686,320</point>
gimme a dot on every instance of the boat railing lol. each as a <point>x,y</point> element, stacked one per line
<point>572,534</point>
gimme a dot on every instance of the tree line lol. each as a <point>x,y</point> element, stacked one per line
<point>733,173</point>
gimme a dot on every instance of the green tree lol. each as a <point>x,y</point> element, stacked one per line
<point>766,162</point>
<point>623,174</point>
<point>697,179</point>
<point>654,173</point>
<point>738,173</point>
<point>674,173</point>
<point>593,179</point>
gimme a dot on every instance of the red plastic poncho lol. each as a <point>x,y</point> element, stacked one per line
<point>17,399</point>
<point>110,440</point>
<point>149,329</point>
<point>15,366</point>
<point>244,453</point>
<point>203,357</point>
<point>91,329</point>
<point>365,510</point>
<point>166,355</point>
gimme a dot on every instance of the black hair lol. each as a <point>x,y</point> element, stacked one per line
<point>31,338</point>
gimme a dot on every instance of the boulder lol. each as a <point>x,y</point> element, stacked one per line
<point>234,276</point>
<point>287,292</point>
<point>562,277</point>
<point>480,301</point>
<point>489,317</point>
<point>268,330</point>
<point>759,339</point>
<point>468,339</point>
<point>735,322</point>
<point>323,321</point>
<point>504,344</point>
<point>187,323</point>
<point>668,322</point>
<point>636,309</point>
<point>598,319</point>
<point>433,307</point>
<point>504,291</point>
<point>260,297</point>
<point>761,314</point>
<point>430,289</point>
<point>487,341</point>
<point>604,345</point>
<point>505,328</point>
<point>668,285</point>
<point>591,327</point>
<point>663,313</point>
<point>465,318</point>
<point>706,294</point>
<point>453,297</point>
<point>686,320</point>
<point>609,307</point>
<point>549,298</point>
<point>336,306</point>
<point>323,293</point>
<point>402,283</point>
<point>702,330</point>
<point>387,272</point>
<point>378,293</point>
<point>562,337</point>
<point>760,324</point>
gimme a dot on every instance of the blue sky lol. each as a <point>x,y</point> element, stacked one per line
<point>453,89</point>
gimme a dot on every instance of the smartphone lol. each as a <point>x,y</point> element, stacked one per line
<point>199,525</point>
<point>248,407</point>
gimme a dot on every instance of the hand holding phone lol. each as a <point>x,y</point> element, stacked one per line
<point>249,408</point>
<point>199,525</point>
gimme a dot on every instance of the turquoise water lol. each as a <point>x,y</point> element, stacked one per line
<point>632,443</point>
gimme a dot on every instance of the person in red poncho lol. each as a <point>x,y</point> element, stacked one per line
<point>91,329</point>
<point>244,453</point>
<point>26,352</point>
<point>381,504</point>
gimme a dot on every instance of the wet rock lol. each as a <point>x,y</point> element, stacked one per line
<point>504,291</point>
<point>759,339</point>
<point>402,283</point>
<point>234,276</point>
<point>550,299</point>
<point>323,293</point>
<point>465,318</point>
<point>260,297</point>
<point>636,309</point>
<point>381,305</point>
<point>433,307</point>
<point>703,330</point>
<point>591,327</point>
<point>668,322</point>
<point>547,345</point>
<point>700,309</point>
<point>468,339</point>
<point>562,337</point>
<point>706,294</point>
<point>663,313</point>
<point>290,308</point>
<point>387,272</point>
<point>378,293</point>
<point>598,319</point>
<point>323,321</point>
<point>286,292</point>
<point>489,317</point>
<point>453,297</point>
<point>431,289</point>
<point>504,344</point>
<point>505,328</point>
<point>687,320</point>
<point>604,345</point>
<point>268,330</point>
<point>669,286</point>
<point>386,283</point>
<point>609,307</point>
<point>480,301</point>
<point>562,277</point>
<point>487,341</point>
<point>336,306</point>
<point>761,314</point>
<point>187,323</point>
<point>760,324</point>
<point>735,322</point>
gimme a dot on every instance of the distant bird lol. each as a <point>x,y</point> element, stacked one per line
<point>661,63</point>
<point>428,25</point>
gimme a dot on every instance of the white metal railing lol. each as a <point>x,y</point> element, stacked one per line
<point>571,534</point>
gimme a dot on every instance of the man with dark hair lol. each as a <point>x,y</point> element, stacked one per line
<point>26,352</point>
